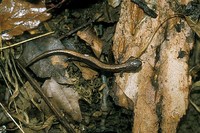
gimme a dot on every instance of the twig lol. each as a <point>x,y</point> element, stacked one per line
<point>195,106</point>
<point>11,117</point>
<point>27,40</point>
<point>36,86</point>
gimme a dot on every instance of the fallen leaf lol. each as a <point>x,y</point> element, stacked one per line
<point>92,40</point>
<point>64,98</point>
<point>192,13</point>
<point>194,25</point>
<point>87,72</point>
<point>50,66</point>
<point>17,16</point>
<point>114,3</point>
<point>96,44</point>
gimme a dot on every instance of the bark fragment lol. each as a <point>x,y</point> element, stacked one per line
<point>173,79</point>
<point>164,76</point>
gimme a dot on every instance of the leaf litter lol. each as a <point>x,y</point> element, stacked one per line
<point>78,97</point>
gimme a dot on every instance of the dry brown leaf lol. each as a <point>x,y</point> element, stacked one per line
<point>96,44</point>
<point>87,72</point>
<point>64,98</point>
<point>92,40</point>
<point>17,16</point>
<point>57,60</point>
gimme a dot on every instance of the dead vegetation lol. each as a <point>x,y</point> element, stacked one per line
<point>60,93</point>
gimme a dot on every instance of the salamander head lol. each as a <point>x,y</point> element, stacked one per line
<point>134,64</point>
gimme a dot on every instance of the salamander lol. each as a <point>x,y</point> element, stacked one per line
<point>131,65</point>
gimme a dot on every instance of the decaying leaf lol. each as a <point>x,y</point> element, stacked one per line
<point>52,66</point>
<point>192,13</point>
<point>31,94</point>
<point>31,124</point>
<point>96,44</point>
<point>17,16</point>
<point>87,73</point>
<point>64,98</point>
<point>114,3</point>
<point>24,101</point>
<point>194,25</point>
<point>189,10</point>
<point>92,40</point>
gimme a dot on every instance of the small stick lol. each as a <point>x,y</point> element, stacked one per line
<point>194,105</point>
<point>11,117</point>
<point>36,86</point>
<point>27,40</point>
